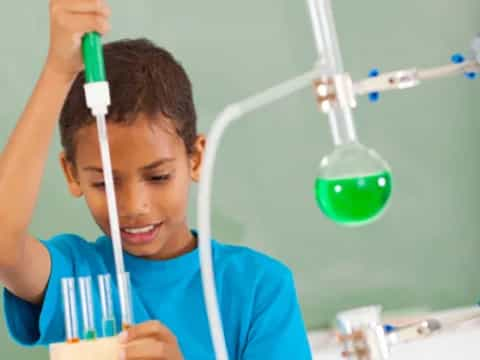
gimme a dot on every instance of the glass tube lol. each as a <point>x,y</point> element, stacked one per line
<point>70,310</point>
<point>89,331</point>
<point>340,114</point>
<point>126,300</point>
<point>108,317</point>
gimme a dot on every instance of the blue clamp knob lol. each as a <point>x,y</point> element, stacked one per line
<point>458,59</point>
<point>389,328</point>
<point>374,96</point>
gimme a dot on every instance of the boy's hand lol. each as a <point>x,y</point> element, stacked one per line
<point>69,21</point>
<point>150,340</point>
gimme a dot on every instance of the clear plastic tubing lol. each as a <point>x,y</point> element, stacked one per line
<point>330,59</point>
<point>230,114</point>
<point>70,310</point>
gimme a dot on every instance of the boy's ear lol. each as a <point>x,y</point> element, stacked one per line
<point>196,157</point>
<point>69,172</point>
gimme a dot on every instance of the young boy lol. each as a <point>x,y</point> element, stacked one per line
<point>156,153</point>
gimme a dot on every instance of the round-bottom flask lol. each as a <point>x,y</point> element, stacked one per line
<point>353,185</point>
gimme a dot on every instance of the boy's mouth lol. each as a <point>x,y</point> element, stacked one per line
<point>140,235</point>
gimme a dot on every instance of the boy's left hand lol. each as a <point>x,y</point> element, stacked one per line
<point>150,340</point>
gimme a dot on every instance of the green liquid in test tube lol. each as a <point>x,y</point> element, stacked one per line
<point>356,200</point>
<point>109,327</point>
<point>90,335</point>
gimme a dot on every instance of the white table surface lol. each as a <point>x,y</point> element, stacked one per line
<point>462,343</point>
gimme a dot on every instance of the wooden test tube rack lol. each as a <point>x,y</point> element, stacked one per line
<point>99,349</point>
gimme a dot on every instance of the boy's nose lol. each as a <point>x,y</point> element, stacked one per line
<point>133,201</point>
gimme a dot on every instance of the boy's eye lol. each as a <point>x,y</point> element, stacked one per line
<point>101,184</point>
<point>157,179</point>
<point>160,178</point>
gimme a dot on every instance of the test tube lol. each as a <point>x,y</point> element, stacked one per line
<point>70,310</point>
<point>125,301</point>
<point>89,331</point>
<point>108,318</point>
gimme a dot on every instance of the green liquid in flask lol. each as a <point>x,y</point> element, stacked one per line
<point>356,200</point>
<point>90,335</point>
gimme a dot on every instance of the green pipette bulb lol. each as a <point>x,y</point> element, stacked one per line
<point>92,51</point>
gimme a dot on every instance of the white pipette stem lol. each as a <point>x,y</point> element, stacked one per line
<point>97,95</point>
<point>113,216</point>
<point>110,190</point>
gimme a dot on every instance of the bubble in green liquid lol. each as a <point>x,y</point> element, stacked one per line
<point>90,335</point>
<point>109,328</point>
<point>356,200</point>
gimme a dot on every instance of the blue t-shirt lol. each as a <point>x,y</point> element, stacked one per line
<point>256,294</point>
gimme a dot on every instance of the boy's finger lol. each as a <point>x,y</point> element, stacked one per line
<point>85,23</point>
<point>146,348</point>
<point>83,6</point>
<point>152,329</point>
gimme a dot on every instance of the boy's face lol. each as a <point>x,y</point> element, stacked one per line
<point>152,173</point>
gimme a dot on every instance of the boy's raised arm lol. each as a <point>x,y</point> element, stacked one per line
<point>24,261</point>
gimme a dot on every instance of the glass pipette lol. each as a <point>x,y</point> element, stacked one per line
<point>97,95</point>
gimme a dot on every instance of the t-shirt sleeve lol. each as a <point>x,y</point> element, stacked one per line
<point>30,324</point>
<point>277,329</point>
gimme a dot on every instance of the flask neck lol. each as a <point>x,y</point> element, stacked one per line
<point>342,126</point>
